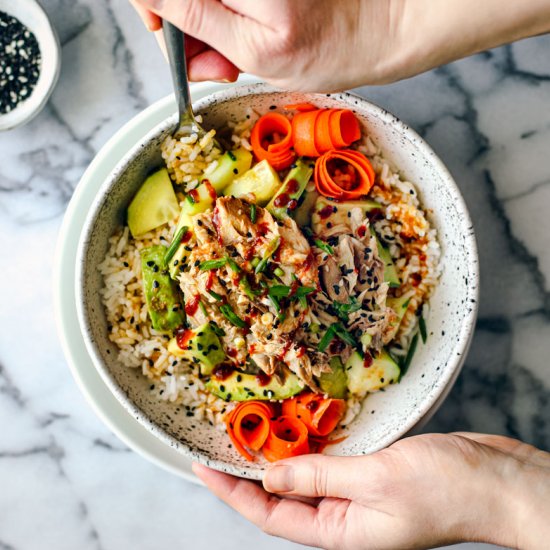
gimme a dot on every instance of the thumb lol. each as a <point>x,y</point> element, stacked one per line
<point>315,476</point>
<point>206,20</point>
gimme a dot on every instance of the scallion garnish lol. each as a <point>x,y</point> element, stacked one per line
<point>278,271</point>
<point>271,249</point>
<point>203,308</point>
<point>275,301</point>
<point>213,264</point>
<point>406,363</point>
<point>279,291</point>
<point>190,198</point>
<point>336,329</point>
<point>215,295</point>
<point>302,291</point>
<point>231,316</point>
<point>253,213</point>
<point>174,245</point>
<point>343,310</point>
<point>231,155</point>
<point>216,329</point>
<point>324,246</point>
<point>423,331</point>
<point>233,265</point>
<point>326,339</point>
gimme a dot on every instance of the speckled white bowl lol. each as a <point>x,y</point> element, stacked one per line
<point>385,416</point>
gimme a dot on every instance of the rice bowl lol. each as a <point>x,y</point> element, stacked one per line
<point>172,382</point>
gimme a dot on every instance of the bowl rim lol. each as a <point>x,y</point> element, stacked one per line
<point>457,352</point>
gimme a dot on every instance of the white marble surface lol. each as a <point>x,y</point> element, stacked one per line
<point>65,481</point>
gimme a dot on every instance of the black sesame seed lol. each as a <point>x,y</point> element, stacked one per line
<point>156,284</point>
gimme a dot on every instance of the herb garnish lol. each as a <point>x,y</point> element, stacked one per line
<point>324,246</point>
<point>231,316</point>
<point>213,264</point>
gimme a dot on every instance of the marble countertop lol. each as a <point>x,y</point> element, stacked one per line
<point>65,481</point>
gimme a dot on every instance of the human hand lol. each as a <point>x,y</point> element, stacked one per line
<point>420,492</point>
<point>203,62</point>
<point>323,45</point>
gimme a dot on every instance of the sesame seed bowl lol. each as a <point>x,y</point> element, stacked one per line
<point>30,60</point>
<point>385,416</point>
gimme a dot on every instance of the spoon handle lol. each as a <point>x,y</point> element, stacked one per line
<point>175,45</point>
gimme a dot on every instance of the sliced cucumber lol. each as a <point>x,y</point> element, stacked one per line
<point>261,180</point>
<point>302,214</point>
<point>230,165</point>
<point>400,306</point>
<point>334,383</point>
<point>364,379</point>
<point>340,211</point>
<point>286,199</point>
<point>245,387</point>
<point>390,271</point>
<point>154,204</point>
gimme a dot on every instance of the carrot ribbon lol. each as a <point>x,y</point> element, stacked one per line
<point>271,140</point>
<point>248,425</point>
<point>343,175</point>
<point>288,437</point>
<point>320,415</point>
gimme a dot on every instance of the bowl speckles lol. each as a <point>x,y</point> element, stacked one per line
<point>385,416</point>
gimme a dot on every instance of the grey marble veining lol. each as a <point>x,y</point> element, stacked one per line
<point>65,481</point>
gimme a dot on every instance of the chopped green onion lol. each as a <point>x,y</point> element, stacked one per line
<point>278,271</point>
<point>326,339</point>
<point>231,316</point>
<point>247,289</point>
<point>271,248</point>
<point>302,291</point>
<point>343,310</point>
<point>279,291</point>
<point>203,308</point>
<point>233,265</point>
<point>344,335</point>
<point>255,261</point>
<point>174,245</point>
<point>303,301</point>
<point>324,246</point>
<point>423,331</point>
<point>216,329</point>
<point>215,295</point>
<point>253,213</point>
<point>406,363</point>
<point>213,264</point>
<point>274,300</point>
<point>231,155</point>
<point>314,328</point>
<point>336,329</point>
<point>190,199</point>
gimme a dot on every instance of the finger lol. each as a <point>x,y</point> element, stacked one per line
<point>204,63</point>
<point>151,20</point>
<point>315,476</point>
<point>207,20</point>
<point>286,518</point>
<point>211,65</point>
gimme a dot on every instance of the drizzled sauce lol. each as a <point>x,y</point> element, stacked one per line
<point>362,230</point>
<point>210,280</point>
<point>367,360</point>
<point>223,371</point>
<point>282,200</point>
<point>194,194</point>
<point>182,338</point>
<point>263,379</point>
<point>210,189</point>
<point>192,305</point>
<point>325,212</point>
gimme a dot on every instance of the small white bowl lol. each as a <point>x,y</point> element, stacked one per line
<point>33,16</point>
<point>385,416</point>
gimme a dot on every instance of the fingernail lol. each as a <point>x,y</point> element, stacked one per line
<point>279,479</point>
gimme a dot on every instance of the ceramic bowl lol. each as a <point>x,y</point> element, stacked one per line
<point>385,416</point>
<point>33,16</point>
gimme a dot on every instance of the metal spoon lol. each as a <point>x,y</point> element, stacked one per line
<point>175,46</point>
